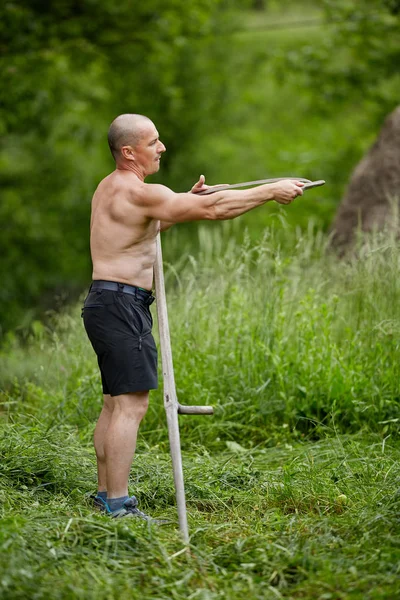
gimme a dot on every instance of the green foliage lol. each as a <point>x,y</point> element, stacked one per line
<point>68,69</point>
<point>294,108</point>
<point>357,59</point>
<point>232,96</point>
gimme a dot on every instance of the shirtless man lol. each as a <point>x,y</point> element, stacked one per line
<point>127,214</point>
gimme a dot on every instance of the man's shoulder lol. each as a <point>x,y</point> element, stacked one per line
<point>151,193</point>
<point>117,184</point>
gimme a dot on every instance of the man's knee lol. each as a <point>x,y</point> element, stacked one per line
<point>133,406</point>
<point>141,401</point>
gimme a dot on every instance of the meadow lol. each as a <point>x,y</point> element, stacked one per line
<point>293,486</point>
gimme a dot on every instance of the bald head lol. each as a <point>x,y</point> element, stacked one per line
<point>126,130</point>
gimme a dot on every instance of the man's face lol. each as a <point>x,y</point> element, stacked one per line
<point>148,150</point>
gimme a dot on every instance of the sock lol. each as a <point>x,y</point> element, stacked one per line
<point>102,495</point>
<point>116,503</point>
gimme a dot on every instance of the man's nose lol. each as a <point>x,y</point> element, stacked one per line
<point>162,147</point>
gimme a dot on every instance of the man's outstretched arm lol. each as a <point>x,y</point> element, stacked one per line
<point>199,186</point>
<point>159,202</point>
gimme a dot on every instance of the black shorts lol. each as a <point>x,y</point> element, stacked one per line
<point>119,328</point>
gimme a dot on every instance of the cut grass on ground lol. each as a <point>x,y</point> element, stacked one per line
<point>310,520</point>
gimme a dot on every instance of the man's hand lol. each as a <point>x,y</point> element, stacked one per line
<point>287,190</point>
<point>199,186</point>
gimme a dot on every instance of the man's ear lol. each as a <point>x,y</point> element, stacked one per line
<point>127,152</point>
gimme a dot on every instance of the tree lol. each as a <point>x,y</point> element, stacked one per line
<point>68,68</point>
<point>359,57</point>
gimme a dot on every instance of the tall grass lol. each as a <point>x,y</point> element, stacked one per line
<point>278,334</point>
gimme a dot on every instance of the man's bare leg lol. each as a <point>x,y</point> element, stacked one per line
<point>99,437</point>
<point>120,440</point>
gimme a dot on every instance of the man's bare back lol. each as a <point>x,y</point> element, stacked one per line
<point>122,239</point>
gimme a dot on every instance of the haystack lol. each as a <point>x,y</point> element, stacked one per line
<point>373,189</point>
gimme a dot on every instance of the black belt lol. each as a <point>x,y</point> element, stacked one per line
<point>123,288</point>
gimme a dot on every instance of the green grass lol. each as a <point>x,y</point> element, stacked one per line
<point>294,521</point>
<point>292,486</point>
<point>281,331</point>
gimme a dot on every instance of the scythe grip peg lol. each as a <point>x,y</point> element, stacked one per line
<point>195,410</point>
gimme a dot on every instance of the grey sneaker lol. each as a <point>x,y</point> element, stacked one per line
<point>130,509</point>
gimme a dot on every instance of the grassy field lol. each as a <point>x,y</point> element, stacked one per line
<point>293,486</point>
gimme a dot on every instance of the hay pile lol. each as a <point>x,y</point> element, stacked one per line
<point>374,187</point>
